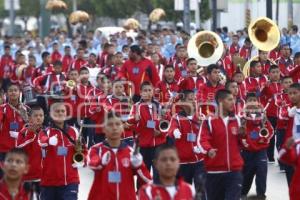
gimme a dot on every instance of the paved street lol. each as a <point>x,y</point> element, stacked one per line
<point>277,186</point>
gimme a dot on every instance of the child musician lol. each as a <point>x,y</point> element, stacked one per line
<point>144,117</point>
<point>184,130</point>
<point>168,186</point>
<point>220,142</point>
<point>257,134</point>
<point>115,163</point>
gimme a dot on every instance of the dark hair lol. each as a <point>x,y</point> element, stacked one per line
<point>57,63</point>
<point>227,84</point>
<point>31,57</point>
<point>295,86</point>
<point>297,55</point>
<point>251,95</point>
<point>185,93</point>
<point>221,95</point>
<point>6,46</point>
<point>295,28</point>
<point>18,151</point>
<point>13,84</point>
<point>273,67</point>
<point>211,67</point>
<point>112,114</point>
<point>286,77</point>
<point>168,66</point>
<point>190,60</point>
<point>34,108</point>
<point>45,54</point>
<point>124,46</point>
<point>136,49</point>
<point>83,69</point>
<point>162,148</point>
<point>248,40</point>
<point>253,63</point>
<point>235,35</point>
<point>145,83</point>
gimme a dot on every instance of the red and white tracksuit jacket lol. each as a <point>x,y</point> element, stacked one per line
<point>142,114</point>
<point>274,54</point>
<point>233,49</point>
<point>267,94</point>
<point>292,157</point>
<point>77,64</point>
<point>166,90</point>
<point>122,107</point>
<point>104,187</point>
<point>283,104</point>
<point>57,160</point>
<point>227,66</point>
<point>189,129</point>
<point>82,100</point>
<point>284,64</point>
<point>255,84</point>
<point>26,76</point>
<point>191,83</point>
<point>67,60</point>
<point>265,66</point>
<point>294,72</point>
<point>252,141</point>
<point>206,97</point>
<point>5,195</point>
<point>42,70</point>
<point>28,140</point>
<point>10,120</point>
<point>97,111</point>
<point>6,64</point>
<point>245,53</point>
<point>215,134</point>
<point>50,82</point>
<point>157,191</point>
<point>239,106</point>
<point>55,56</point>
<point>179,66</point>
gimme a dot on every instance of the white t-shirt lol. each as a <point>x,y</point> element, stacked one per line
<point>171,190</point>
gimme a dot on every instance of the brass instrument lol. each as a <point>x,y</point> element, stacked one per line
<point>264,34</point>
<point>56,5</point>
<point>79,16</point>
<point>131,23</point>
<point>157,14</point>
<point>246,68</point>
<point>164,126</point>
<point>78,157</point>
<point>264,132</point>
<point>71,84</point>
<point>206,47</point>
<point>239,62</point>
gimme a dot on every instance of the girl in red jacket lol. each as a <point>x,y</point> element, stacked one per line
<point>60,177</point>
<point>28,140</point>
<point>115,163</point>
<point>167,187</point>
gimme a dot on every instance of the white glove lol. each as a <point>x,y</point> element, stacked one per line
<point>78,165</point>
<point>197,150</point>
<point>13,134</point>
<point>105,158</point>
<point>136,160</point>
<point>177,133</point>
<point>53,140</point>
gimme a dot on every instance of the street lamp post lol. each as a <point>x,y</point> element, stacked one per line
<point>186,16</point>
<point>12,17</point>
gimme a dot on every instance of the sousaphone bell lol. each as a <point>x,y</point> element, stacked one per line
<point>206,47</point>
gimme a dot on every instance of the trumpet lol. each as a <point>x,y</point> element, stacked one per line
<point>264,132</point>
<point>164,126</point>
<point>78,157</point>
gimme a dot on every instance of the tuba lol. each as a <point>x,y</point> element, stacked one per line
<point>264,34</point>
<point>206,47</point>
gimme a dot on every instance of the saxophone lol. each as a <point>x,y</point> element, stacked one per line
<point>78,156</point>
